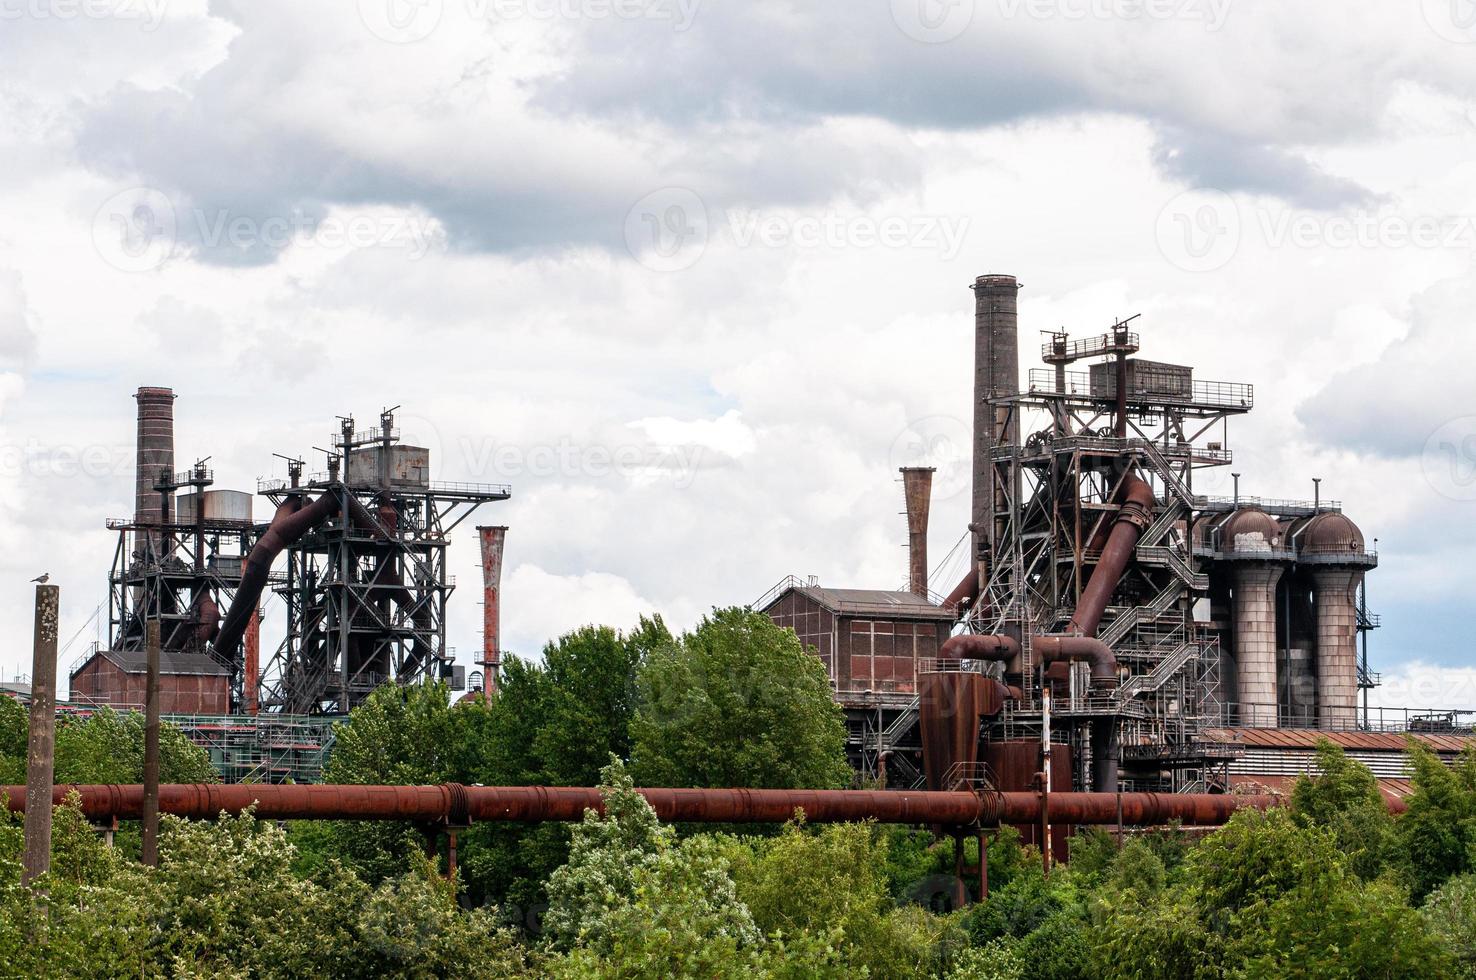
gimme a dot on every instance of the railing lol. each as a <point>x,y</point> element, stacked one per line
<point>1105,343</point>
<point>364,436</point>
<point>1271,505</point>
<point>1208,394</point>
<point>1425,721</point>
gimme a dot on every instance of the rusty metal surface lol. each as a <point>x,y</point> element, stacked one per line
<point>1305,738</point>
<point>493,543</point>
<point>917,488</point>
<point>455,804</point>
<point>1135,515</point>
<point>293,519</point>
<point>950,707</point>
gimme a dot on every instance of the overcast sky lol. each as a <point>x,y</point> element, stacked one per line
<point>693,275</point>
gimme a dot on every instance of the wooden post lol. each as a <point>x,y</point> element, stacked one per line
<point>150,853</point>
<point>41,747</point>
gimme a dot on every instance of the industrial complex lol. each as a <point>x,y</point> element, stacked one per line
<point>1141,634</point>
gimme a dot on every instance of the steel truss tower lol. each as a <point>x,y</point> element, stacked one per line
<point>366,590</point>
<point>1055,496</point>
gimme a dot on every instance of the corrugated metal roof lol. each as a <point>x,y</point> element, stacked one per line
<point>170,662</point>
<point>1394,789</point>
<point>874,601</point>
<point>1307,738</point>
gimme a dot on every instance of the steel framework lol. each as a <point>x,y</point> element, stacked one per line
<point>366,591</point>
<point>177,571</point>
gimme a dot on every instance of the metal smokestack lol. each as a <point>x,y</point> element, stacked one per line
<point>493,541</point>
<point>996,374</point>
<point>917,486</point>
<point>155,459</point>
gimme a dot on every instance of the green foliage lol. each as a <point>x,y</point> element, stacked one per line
<point>737,702</point>
<point>14,727</point>
<point>1450,914</point>
<point>1438,833</point>
<point>552,723</point>
<point>399,736</point>
<point>1162,940</point>
<point>108,747</point>
<point>1344,797</point>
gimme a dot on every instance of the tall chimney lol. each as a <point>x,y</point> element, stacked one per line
<point>996,374</point>
<point>493,540</point>
<point>155,459</point>
<point>917,486</point>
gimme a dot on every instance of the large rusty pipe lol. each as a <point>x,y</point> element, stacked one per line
<point>1079,649</point>
<point>1136,514</point>
<point>535,804</point>
<point>292,520</point>
<point>979,646</point>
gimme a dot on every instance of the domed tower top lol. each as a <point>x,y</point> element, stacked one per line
<point>1250,532</point>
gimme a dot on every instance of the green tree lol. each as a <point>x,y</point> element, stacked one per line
<point>737,702</point>
<point>14,728</point>
<point>555,723</point>
<point>1450,913</point>
<point>399,735</point>
<point>1438,832</point>
<point>108,747</point>
<point>1345,798</point>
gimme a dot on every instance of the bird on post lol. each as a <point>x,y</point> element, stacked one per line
<point>43,578</point>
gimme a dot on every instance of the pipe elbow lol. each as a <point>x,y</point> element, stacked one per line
<point>1080,649</point>
<point>979,646</point>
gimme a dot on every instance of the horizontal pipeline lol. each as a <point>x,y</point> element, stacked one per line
<point>456,805</point>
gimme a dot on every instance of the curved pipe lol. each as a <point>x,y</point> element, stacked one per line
<point>979,646</point>
<point>292,520</point>
<point>966,591</point>
<point>456,804</point>
<point>1132,519</point>
<point>1079,649</point>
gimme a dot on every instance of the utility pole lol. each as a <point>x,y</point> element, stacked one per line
<point>150,853</point>
<point>41,747</point>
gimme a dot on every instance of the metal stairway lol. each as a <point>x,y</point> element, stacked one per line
<point>1159,675</point>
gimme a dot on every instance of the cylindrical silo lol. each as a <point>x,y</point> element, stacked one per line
<point>1331,547</point>
<point>1251,540</point>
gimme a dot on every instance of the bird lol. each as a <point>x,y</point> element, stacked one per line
<point>43,578</point>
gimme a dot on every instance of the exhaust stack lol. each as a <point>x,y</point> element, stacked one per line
<point>996,375</point>
<point>493,541</point>
<point>917,487</point>
<point>155,453</point>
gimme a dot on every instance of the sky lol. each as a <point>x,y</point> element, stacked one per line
<point>692,276</point>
